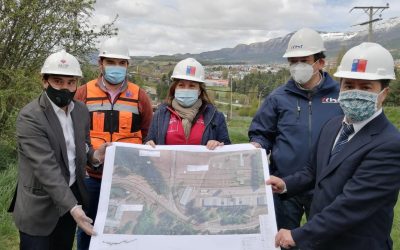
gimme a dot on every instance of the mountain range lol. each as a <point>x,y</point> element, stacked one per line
<point>386,32</point>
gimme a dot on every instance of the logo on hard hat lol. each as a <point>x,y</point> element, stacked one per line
<point>190,70</point>
<point>359,65</point>
<point>63,64</point>
<point>297,46</point>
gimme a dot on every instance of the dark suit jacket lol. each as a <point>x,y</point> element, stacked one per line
<point>43,194</point>
<point>355,193</point>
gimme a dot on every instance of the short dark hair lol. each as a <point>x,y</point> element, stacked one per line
<point>101,58</point>
<point>46,76</point>
<point>319,55</point>
<point>384,83</point>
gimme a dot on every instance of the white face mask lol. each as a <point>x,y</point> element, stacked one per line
<point>301,72</point>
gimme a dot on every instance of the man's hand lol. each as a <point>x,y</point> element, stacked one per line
<point>82,220</point>
<point>256,144</point>
<point>100,153</point>
<point>284,239</point>
<point>212,144</point>
<point>277,184</point>
<point>151,143</point>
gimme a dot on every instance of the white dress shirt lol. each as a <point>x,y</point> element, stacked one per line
<point>69,136</point>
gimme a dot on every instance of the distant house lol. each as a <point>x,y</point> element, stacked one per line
<point>217,82</point>
<point>397,63</point>
<point>151,92</point>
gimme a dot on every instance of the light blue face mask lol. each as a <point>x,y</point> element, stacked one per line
<point>358,105</point>
<point>186,97</point>
<point>114,74</point>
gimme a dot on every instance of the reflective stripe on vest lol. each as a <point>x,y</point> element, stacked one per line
<point>108,106</point>
<point>113,122</point>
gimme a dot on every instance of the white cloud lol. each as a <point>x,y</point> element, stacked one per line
<point>153,27</point>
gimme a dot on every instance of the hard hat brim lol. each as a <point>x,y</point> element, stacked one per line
<point>185,77</point>
<point>301,53</point>
<point>362,75</point>
<point>62,73</point>
<point>115,56</point>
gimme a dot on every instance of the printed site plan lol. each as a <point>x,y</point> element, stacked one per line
<point>185,197</point>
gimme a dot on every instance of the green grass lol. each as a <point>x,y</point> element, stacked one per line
<point>8,233</point>
<point>393,114</point>
<point>238,128</point>
<point>238,132</point>
<point>396,227</point>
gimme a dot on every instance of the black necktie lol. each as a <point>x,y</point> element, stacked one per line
<point>347,130</point>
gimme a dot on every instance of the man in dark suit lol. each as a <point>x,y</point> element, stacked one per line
<point>355,167</point>
<point>53,149</point>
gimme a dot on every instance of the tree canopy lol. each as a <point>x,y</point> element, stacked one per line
<point>30,31</point>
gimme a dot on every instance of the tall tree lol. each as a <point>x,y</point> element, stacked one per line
<point>30,31</point>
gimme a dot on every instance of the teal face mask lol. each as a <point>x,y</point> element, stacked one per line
<point>186,97</point>
<point>358,105</point>
<point>114,74</point>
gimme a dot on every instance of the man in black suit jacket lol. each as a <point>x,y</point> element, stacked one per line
<point>355,167</point>
<point>53,149</point>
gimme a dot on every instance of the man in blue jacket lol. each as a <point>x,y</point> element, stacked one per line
<point>290,119</point>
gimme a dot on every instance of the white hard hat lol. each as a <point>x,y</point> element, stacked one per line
<point>61,63</point>
<point>304,42</point>
<point>114,48</point>
<point>368,61</point>
<point>189,69</point>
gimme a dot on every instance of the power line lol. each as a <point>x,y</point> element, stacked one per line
<point>371,11</point>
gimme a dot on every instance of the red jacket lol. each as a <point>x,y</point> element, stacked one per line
<point>176,135</point>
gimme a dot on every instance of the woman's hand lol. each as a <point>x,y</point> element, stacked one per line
<point>151,143</point>
<point>212,144</point>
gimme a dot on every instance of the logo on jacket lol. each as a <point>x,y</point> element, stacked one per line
<point>329,100</point>
<point>128,93</point>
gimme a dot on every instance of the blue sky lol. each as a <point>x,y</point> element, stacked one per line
<point>153,27</point>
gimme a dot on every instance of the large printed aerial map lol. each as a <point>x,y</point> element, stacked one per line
<point>181,197</point>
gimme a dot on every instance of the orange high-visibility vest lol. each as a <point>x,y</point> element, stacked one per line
<point>113,122</point>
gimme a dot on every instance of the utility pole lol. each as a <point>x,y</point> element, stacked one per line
<point>371,11</point>
<point>230,82</point>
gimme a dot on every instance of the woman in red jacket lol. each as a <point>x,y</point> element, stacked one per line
<point>188,117</point>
